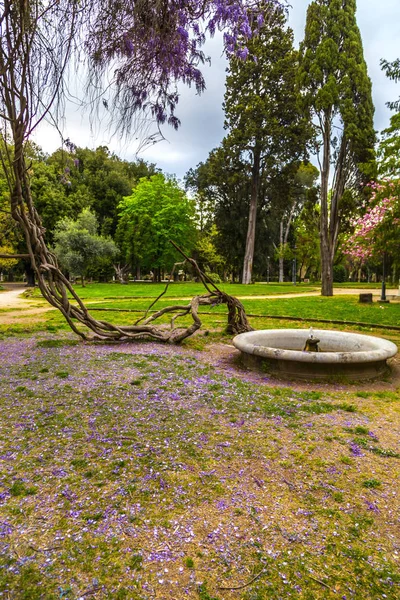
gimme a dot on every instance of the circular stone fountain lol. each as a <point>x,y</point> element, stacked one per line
<point>315,354</point>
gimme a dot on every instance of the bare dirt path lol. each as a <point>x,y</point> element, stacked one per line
<point>15,306</point>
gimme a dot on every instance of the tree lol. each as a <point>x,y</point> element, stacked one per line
<point>156,212</point>
<point>389,149</point>
<point>51,198</point>
<point>299,181</point>
<point>392,70</point>
<point>336,88</point>
<point>100,177</point>
<point>10,235</point>
<point>262,116</point>
<point>226,181</point>
<point>158,45</point>
<point>79,248</point>
<point>377,232</point>
<point>306,234</point>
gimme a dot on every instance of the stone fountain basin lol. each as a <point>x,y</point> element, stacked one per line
<point>280,351</point>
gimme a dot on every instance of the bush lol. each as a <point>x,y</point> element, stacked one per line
<point>339,274</point>
<point>215,278</point>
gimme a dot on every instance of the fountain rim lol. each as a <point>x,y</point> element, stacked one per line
<point>383,350</point>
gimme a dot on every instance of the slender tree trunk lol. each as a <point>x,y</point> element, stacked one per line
<point>326,262</point>
<point>251,227</point>
<point>281,248</point>
<point>284,238</point>
<point>339,184</point>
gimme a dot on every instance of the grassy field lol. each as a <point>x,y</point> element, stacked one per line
<point>183,289</point>
<point>142,471</point>
<point>344,308</point>
<point>305,310</point>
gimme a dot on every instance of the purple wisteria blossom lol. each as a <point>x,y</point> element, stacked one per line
<point>160,44</point>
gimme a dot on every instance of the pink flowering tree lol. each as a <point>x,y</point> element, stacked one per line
<point>378,230</point>
<point>135,52</point>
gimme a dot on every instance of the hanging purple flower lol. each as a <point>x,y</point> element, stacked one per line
<point>128,44</point>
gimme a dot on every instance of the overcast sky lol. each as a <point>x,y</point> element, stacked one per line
<point>202,117</point>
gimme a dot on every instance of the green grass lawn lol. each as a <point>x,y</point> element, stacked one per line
<point>363,285</point>
<point>340,308</point>
<point>344,308</point>
<point>183,289</point>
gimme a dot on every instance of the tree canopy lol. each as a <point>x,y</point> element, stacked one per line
<point>79,248</point>
<point>377,231</point>
<point>156,212</point>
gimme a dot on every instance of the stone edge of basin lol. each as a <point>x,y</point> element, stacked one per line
<point>383,349</point>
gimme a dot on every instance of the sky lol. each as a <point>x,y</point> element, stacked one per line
<point>202,116</point>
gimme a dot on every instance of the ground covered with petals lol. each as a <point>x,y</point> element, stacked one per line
<point>143,471</point>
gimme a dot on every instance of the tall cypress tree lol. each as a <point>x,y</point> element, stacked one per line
<point>336,88</point>
<point>262,116</point>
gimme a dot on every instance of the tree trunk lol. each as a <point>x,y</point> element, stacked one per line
<point>122,273</point>
<point>30,274</point>
<point>325,249</point>
<point>251,227</point>
<point>281,248</point>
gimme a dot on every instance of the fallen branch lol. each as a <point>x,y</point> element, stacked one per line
<point>321,583</point>
<point>240,587</point>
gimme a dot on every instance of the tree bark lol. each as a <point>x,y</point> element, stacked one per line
<point>284,238</point>
<point>281,248</point>
<point>326,261</point>
<point>30,274</point>
<point>251,227</point>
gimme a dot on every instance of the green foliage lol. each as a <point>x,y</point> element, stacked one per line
<point>389,149</point>
<point>208,257</point>
<point>10,237</point>
<point>392,70</point>
<point>371,483</point>
<point>7,263</point>
<point>51,197</point>
<point>72,179</point>
<point>339,273</point>
<point>79,248</point>
<point>333,72</point>
<point>157,211</point>
<point>197,181</point>
<point>229,184</point>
